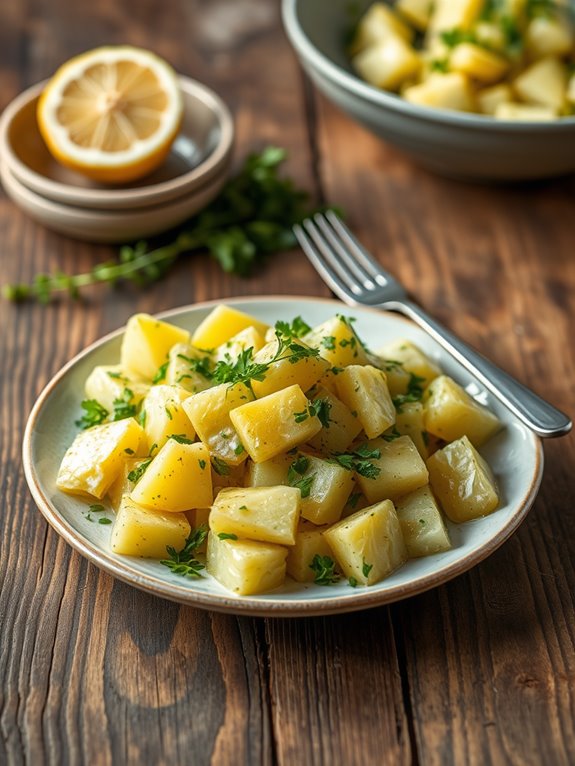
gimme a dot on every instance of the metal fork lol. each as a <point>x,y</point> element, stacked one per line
<point>355,277</point>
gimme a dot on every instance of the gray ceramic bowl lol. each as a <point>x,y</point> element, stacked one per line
<point>453,143</point>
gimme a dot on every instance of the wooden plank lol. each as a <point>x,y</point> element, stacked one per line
<point>489,658</point>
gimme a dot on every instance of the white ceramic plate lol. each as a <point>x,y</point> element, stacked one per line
<point>515,455</point>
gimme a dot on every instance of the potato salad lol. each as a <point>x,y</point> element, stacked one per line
<point>509,59</point>
<point>250,453</point>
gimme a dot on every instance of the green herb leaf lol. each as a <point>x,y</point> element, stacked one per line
<point>161,373</point>
<point>184,562</point>
<point>96,508</point>
<point>220,466</point>
<point>358,461</point>
<point>366,568</point>
<point>136,474</point>
<point>414,392</point>
<point>181,438</point>
<point>324,568</point>
<point>124,406</point>
<point>296,329</point>
<point>227,536</point>
<point>104,521</point>
<point>94,414</point>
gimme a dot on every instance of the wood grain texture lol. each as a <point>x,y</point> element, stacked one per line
<point>479,671</point>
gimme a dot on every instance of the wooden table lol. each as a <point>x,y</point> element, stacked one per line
<point>479,671</point>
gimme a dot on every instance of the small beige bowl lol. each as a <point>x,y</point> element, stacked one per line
<point>201,153</point>
<point>113,226</point>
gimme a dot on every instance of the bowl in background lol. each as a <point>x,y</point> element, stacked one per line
<point>468,146</point>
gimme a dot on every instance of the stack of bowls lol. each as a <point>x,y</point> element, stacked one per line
<point>190,177</point>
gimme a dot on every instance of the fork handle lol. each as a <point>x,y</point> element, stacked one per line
<point>531,409</point>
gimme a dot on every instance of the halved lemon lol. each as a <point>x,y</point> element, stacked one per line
<point>111,113</point>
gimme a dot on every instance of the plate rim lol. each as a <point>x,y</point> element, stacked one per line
<point>245,605</point>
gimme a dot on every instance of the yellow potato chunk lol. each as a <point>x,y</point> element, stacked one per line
<point>450,412</point>
<point>126,479</point>
<point>387,64</point>
<point>275,423</point>
<point>232,348</point>
<point>417,12</point>
<point>337,341</point>
<point>412,359</point>
<point>107,384</point>
<point>544,83</point>
<point>146,344</point>
<point>325,487</point>
<point>379,23</point>
<point>284,372</point>
<point>452,14</point>
<point>209,412</point>
<point>410,421</point>
<point>309,542</point>
<point>269,473</point>
<point>524,112</point>
<point>364,390</point>
<point>477,62</point>
<point>400,470</point>
<point>548,36</point>
<point>443,91</point>
<point>462,481</point>
<point>184,364</point>
<point>244,566</point>
<point>141,532</point>
<point>368,545</point>
<point>422,524</point>
<point>396,376</point>
<point>267,514</point>
<point>489,99</point>
<point>96,457</point>
<point>177,479</point>
<point>222,324</point>
<point>342,425</point>
<point>163,415</point>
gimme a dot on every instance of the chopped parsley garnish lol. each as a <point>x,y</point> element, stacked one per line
<point>104,520</point>
<point>320,408</point>
<point>129,451</point>
<point>168,412</point>
<point>227,536</point>
<point>220,466</point>
<point>366,568</point>
<point>96,508</point>
<point>352,581</point>
<point>142,418</point>
<point>358,461</point>
<point>181,438</point>
<point>439,65</point>
<point>124,406</point>
<point>454,37</point>
<point>184,562</point>
<point>299,417</point>
<point>239,449</point>
<point>324,569</point>
<point>161,373</point>
<point>296,476</point>
<point>413,394</point>
<point>296,329</point>
<point>392,435</point>
<point>94,414</point>
<point>328,341</point>
<point>201,365</point>
<point>136,474</point>
<point>117,376</point>
<point>202,464</point>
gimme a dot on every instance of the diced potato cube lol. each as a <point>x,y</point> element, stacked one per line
<point>141,532</point>
<point>401,470</point>
<point>96,456</point>
<point>478,63</point>
<point>284,372</point>
<point>232,348</point>
<point>462,481</point>
<point>146,344</point>
<point>492,35</point>
<point>337,341</point>
<point>548,36</point>
<point>450,412</point>
<point>270,473</point>
<point>267,514</point>
<point>325,488</point>
<point>422,524</point>
<point>244,566</point>
<point>275,423</point>
<point>177,479</point>
<point>379,23</point>
<point>184,364</point>
<point>454,14</point>
<point>364,390</point>
<point>524,112</point>
<point>489,99</point>
<point>309,542</point>
<point>342,425</point>
<point>222,324</point>
<point>417,12</point>
<point>163,415</point>
<point>108,383</point>
<point>543,83</point>
<point>443,91</point>
<point>409,421</point>
<point>397,377</point>
<point>368,545</point>
<point>209,413</point>
<point>387,64</point>
<point>412,358</point>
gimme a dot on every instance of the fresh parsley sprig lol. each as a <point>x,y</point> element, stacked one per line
<point>324,569</point>
<point>184,562</point>
<point>359,461</point>
<point>252,217</point>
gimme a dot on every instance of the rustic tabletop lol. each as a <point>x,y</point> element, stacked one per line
<point>478,671</point>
